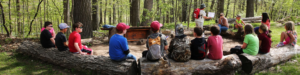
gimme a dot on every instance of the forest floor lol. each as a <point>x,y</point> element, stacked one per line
<point>12,63</point>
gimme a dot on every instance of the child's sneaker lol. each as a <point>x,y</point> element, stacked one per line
<point>280,44</point>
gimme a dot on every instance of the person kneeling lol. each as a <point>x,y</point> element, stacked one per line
<point>118,45</point>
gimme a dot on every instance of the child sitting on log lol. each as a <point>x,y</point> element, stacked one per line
<point>46,38</point>
<point>198,45</point>
<point>215,44</point>
<point>60,39</point>
<point>179,49</point>
<point>250,44</point>
<point>156,43</point>
<point>239,25</point>
<point>118,45</point>
<point>75,45</point>
<point>290,36</point>
<point>264,39</point>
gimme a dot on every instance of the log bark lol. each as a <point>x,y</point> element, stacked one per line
<point>99,64</point>
<point>226,66</point>
<point>252,64</point>
<point>249,20</point>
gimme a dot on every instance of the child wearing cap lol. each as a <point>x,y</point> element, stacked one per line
<point>46,38</point>
<point>239,22</point>
<point>118,45</point>
<point>155,39</point>
<point>75,45</point>
<point>60,39</point>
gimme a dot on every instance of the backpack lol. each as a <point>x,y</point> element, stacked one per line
<point>181,49</point>
<point>155,52</point>
<point>196,13</point>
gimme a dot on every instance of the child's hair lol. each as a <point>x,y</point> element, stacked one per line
<point>264,28</point>
<point>215,30</point>
<point>249,29</point>
<point>77,25</point>
<point>289,25</point>
<point>265,17</point>
<point>198,31</point>
<point>47,23</point>
<point>119,31</point>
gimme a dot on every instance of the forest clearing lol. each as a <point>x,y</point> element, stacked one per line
<point>22,20</point>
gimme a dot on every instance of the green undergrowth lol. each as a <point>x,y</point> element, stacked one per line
<point>18,64</point>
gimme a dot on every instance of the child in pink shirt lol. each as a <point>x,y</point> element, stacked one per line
<point>215,44</point>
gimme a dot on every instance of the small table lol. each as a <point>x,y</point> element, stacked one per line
<point>133,33</point>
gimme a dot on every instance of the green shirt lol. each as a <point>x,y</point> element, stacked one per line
<point>252,44</point>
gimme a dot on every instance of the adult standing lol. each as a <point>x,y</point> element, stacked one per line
<point>223,23</point>
<point>202,15</point>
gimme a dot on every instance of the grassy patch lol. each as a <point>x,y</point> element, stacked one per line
<point>23,65</point>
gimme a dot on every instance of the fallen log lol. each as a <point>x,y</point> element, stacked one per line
<point>228,65</point>
<point>249,19</point>
<point>252,64</point>
<point>99,64</point>
<point>86,41</point>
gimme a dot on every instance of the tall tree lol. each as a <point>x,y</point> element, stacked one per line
<point>227,7</point>
<point>212,5</point>
<point>114,12</point>
<point>18,16</point>
<point>189,13</point>
<point>37,11</point>
<point>101,14</point>
<point>135,13</point>
<point>234,8</point>
<point>184,11</point>
<point>82,13</point>
<point>3,20</point>
<point>66,11</point>
<point>220,8</point>
<point>9,18</point>
<point>95,18</point>
<point>250,8</point>
<point>147,18</point>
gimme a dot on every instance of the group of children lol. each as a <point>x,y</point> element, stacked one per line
<point>49,40</point>
<point>157,45</point>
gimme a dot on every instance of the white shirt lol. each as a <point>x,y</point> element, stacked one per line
<point>201,19</point>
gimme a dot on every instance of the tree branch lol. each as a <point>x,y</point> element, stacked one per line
<point>7,32</point>
<point>37,11</point>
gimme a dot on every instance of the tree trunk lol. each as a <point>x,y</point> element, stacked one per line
<point>37,11</point>
<point>184,11</point>
<point>250,8</point>
<point>220,8</point>
<point>135,13</point>
<point>271,16</point>
<point>82,13</point>
<point>105,11</point>
<point>252,64</point>
<point>18,17</point>
<point>234,9</point>
<point>66,12</point>
<point>114,12</point>
<point>147,19</point>
<point>10,23</point>
<point>212,5</point>
<point>172,12</point>
<point>189,14</point>
<point>227,8</point>
<point>3,20</point>
<point>101,14</point>
<point>95,15</point>
<point>256,5</point>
